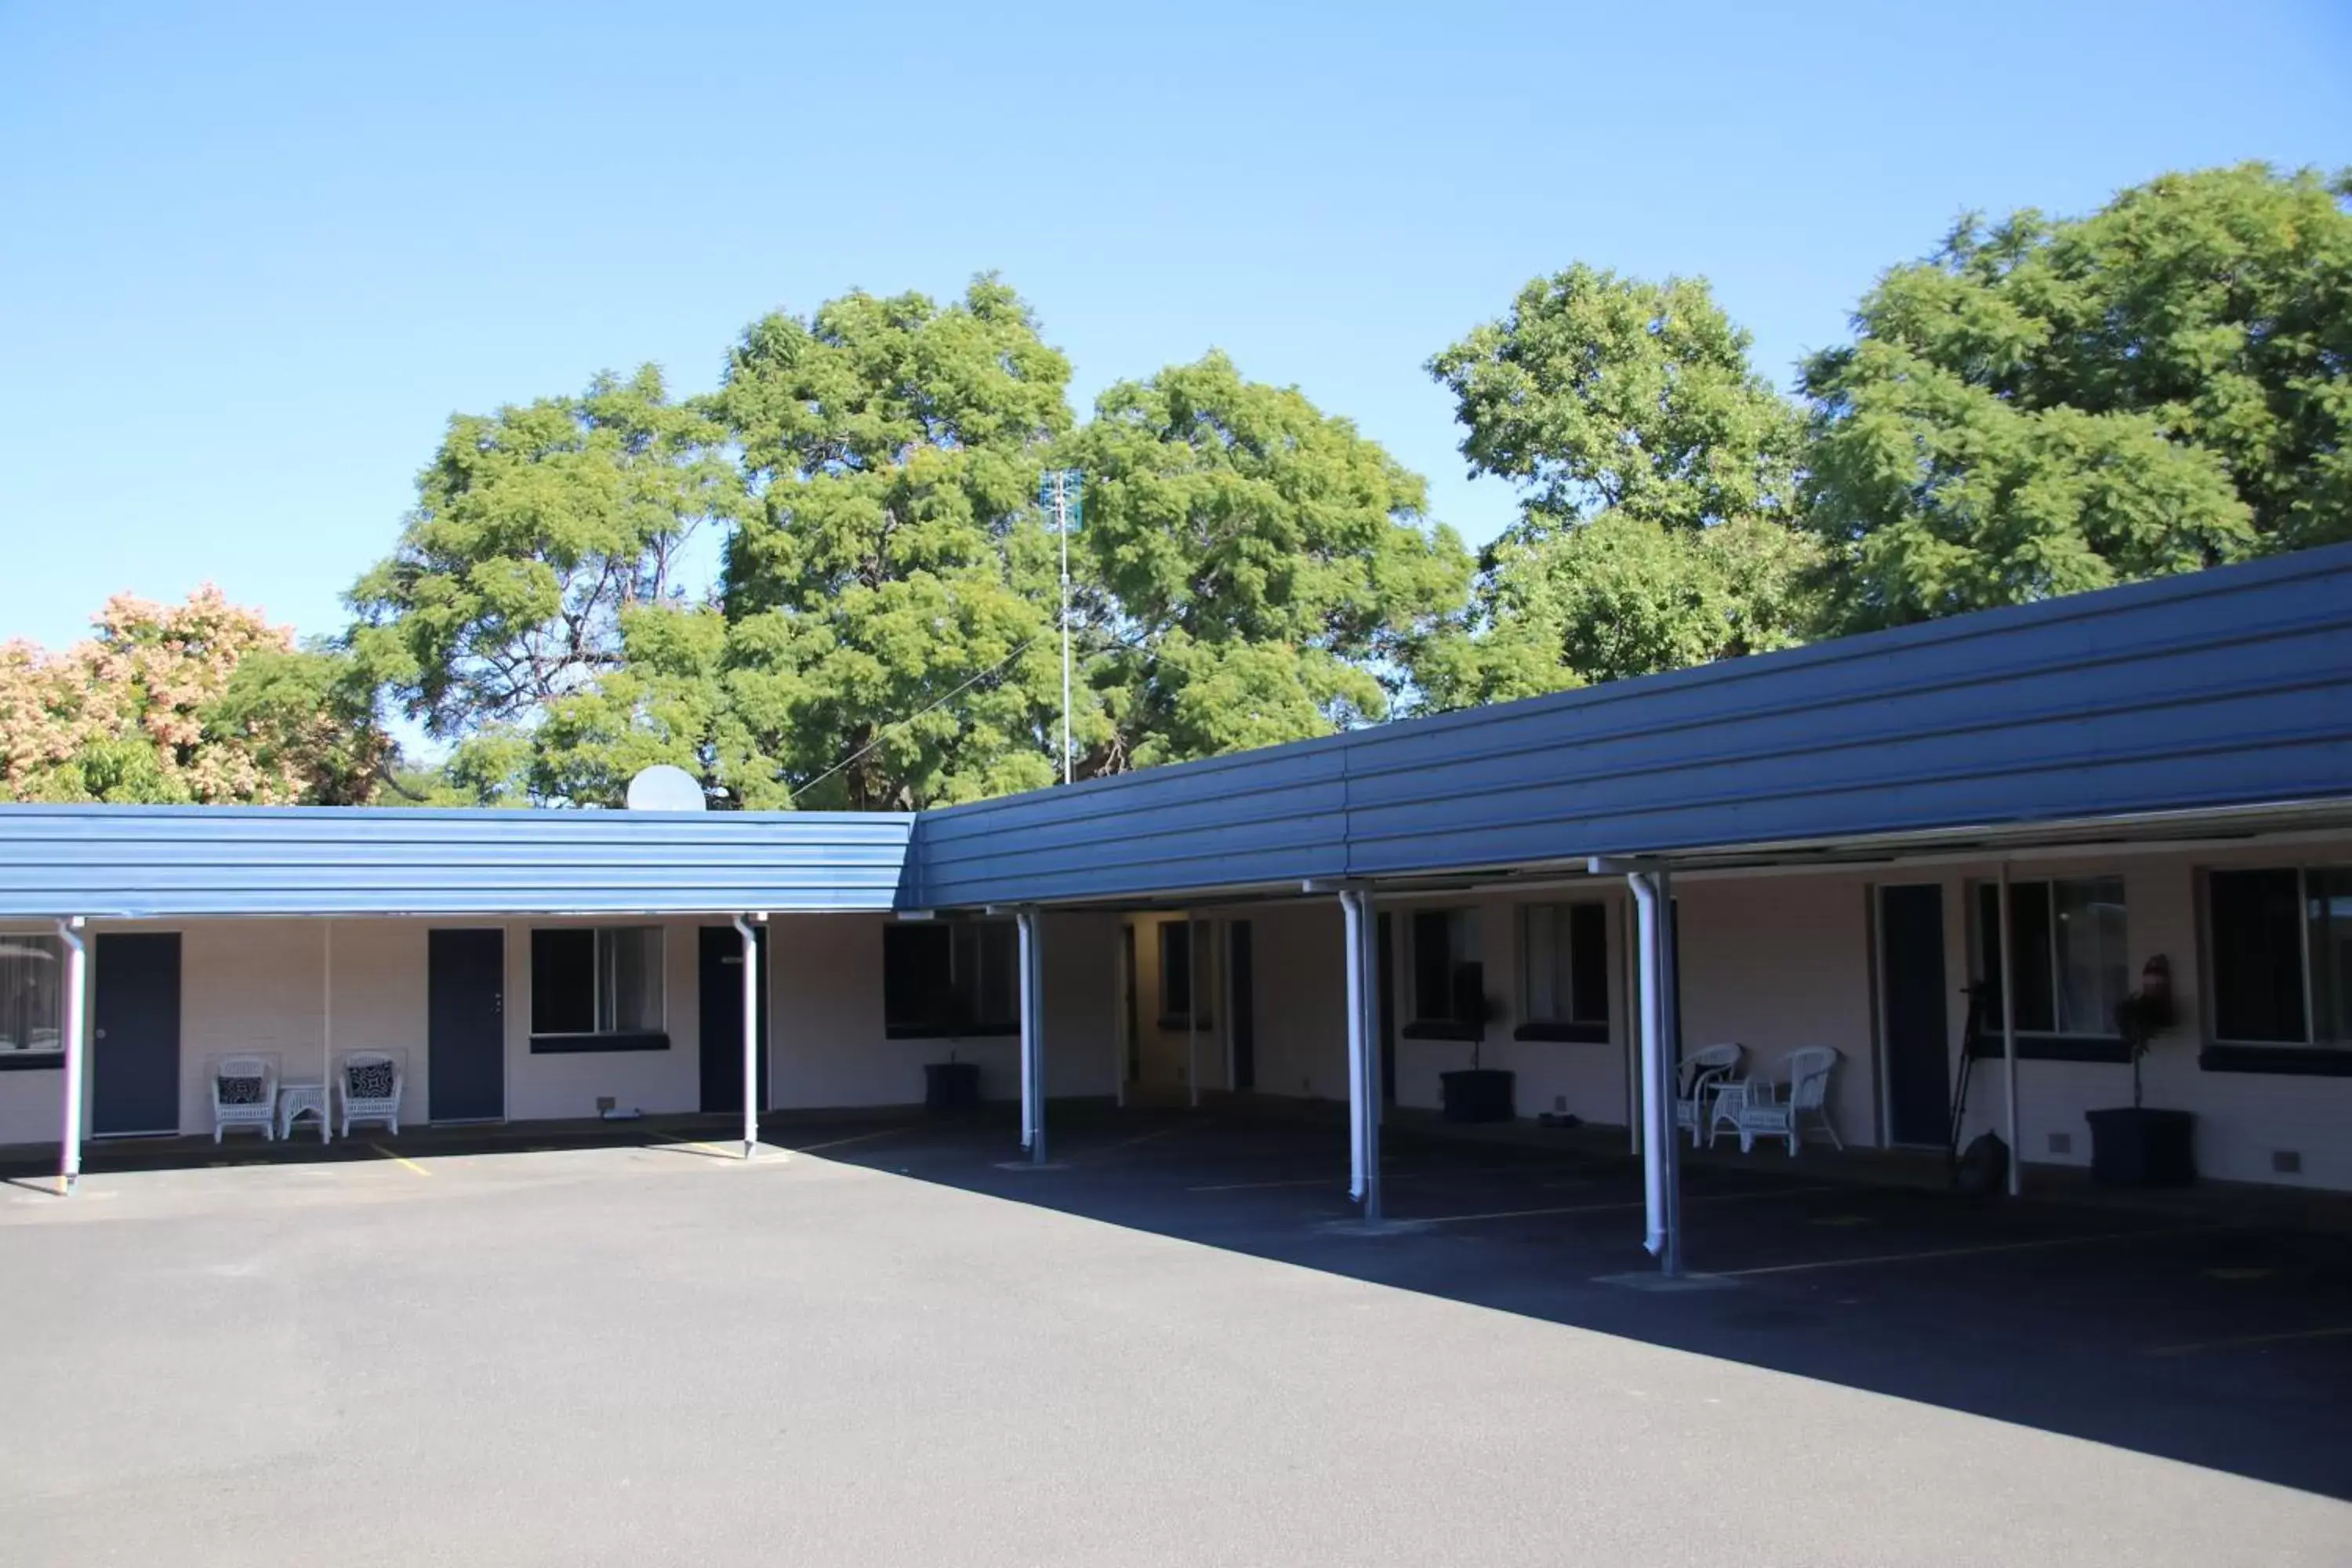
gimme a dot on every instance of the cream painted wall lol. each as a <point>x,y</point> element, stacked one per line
<point>1296,952</point>
<point>2241,1118</point>
<point>828,1047</point>
<point>259,987</point>
<point>1782,964</point>
<point>549,1085</point>
<point>1586,1079</point>
<point>1168,1058</point>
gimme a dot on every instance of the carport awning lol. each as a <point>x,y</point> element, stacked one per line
<point>191,861</point>
<point>2146,832</point>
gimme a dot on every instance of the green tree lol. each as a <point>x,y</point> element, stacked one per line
<point>890,595</point>
<point>1658,475</point>
<point>2045,406</point>
<point>1257,568</point>
<point>536,528</point>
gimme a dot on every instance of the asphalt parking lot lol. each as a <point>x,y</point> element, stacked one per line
<point>898,1344</point>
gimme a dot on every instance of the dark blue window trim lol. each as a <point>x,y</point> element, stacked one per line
<point>2286,1061</point>
<point>572,1045</point>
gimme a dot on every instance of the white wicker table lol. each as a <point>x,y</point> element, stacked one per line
<point>294,1100</point>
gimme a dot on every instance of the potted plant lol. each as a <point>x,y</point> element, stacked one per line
<point>2134,1145</point>
<point>1477,1092</point>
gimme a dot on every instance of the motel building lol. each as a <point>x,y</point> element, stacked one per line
<point>1986,835</point>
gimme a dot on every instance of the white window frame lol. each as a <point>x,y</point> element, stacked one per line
<point>1564,984</point>
<point>20,1052</point>
<point>599,1005</point>
<point>1465,922</point>
<point>1987,961</point>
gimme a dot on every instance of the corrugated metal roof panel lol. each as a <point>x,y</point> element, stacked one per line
<point>2226,688</point>
<point>218,860</point>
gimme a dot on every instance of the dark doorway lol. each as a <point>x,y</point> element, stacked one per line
<point>1244,1020</point>
<point>721,987</point>
<point>465,1029</point>
<point>1133,1068</point>
<point>135,1048</point>
<point>1386,939</point>
<point>1911,982</point>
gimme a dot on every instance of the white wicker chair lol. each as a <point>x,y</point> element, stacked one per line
<point>1755,1107</point>
<point>369,1084</point>
<point>1703,1071</point>
<point>244,1094</point>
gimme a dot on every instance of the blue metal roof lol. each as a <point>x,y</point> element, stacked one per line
<point>2225,687</point>
<point>276,860</point>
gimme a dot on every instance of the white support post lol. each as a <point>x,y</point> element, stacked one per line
<point>1032,1037</point>
<point>1661,1154</point>
<point>2009,1036</point>
<point>1028,1019</point>
<point>1363,1057</point>
<point>77,1021</point>
<point>1669,1141</point>
<point>1352,917</point>
<point>1367,991</point>
<point>326,1030</point>
<point>751,936</point>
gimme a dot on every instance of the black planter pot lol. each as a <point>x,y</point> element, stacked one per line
<point>1478,1094</point>
<point>951,1086</point>
<point>2142,1148</point>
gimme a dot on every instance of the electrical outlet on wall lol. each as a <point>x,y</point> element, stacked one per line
<point>2287,1162</point>
<point>2061,1142</point>
<point>604,1103</point>
<point>1560,1102</point>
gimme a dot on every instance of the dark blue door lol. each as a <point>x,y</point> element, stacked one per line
<point>721,1014</point>
<point>1918,1057</point>
<point>1244,1007</point>
<point>1386,941</point>
<point>465,1026</point>
<point>135,1042</point>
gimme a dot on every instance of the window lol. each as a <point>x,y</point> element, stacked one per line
<point>942,978</point>
<point>1564,966</point>
<point>596,981</point>
<point>2282,949</point>
<point>1449,991</point>
<point>2073,958</point>
<point>1187,974</point>
<point>32,999</point>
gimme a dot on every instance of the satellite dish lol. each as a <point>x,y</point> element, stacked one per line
<point>665,788</point>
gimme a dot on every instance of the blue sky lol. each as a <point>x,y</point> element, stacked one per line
<point>252,257</point>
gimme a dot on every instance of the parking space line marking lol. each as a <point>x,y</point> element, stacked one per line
<point>1337,1180</point>
<point>401,1160</point>
<point>2335,1334</point>
<point>1636,1204</point>
<point>839,1143</point>
<point>1139,1138</point>
<point>2039,1243</point>
<point>1385,1175</point>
